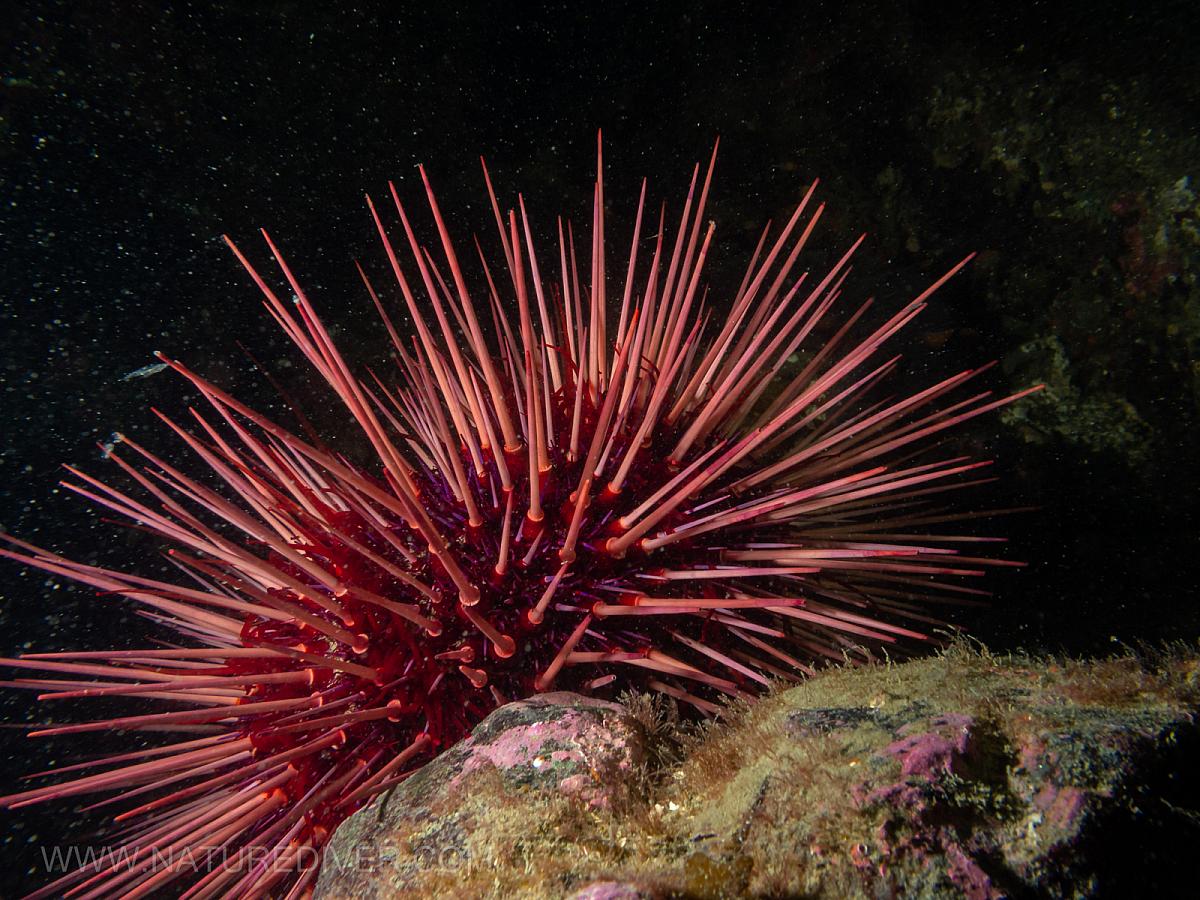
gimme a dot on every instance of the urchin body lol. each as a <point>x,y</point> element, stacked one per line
<point>569,490</point>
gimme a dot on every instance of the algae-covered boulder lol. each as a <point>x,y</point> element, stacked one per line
<point>961,775</point>
<point>520,766</point>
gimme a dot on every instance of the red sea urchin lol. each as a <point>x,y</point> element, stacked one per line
<point>669,500</point>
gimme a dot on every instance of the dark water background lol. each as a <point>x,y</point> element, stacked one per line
<point>1057,139</point>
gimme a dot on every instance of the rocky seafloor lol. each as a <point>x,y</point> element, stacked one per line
<point>965,774</point>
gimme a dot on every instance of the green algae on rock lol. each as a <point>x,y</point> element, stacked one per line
<point>960,775</point>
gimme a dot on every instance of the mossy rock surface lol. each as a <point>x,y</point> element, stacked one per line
<point>959,775</point>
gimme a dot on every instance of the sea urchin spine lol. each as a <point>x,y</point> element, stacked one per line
<point>670,500</point>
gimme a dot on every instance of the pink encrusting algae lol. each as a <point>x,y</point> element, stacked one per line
<point>563,495</point>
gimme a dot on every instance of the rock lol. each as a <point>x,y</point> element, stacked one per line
<point>518,763</point>
<point>611,890</point>
<point>962,775</point>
